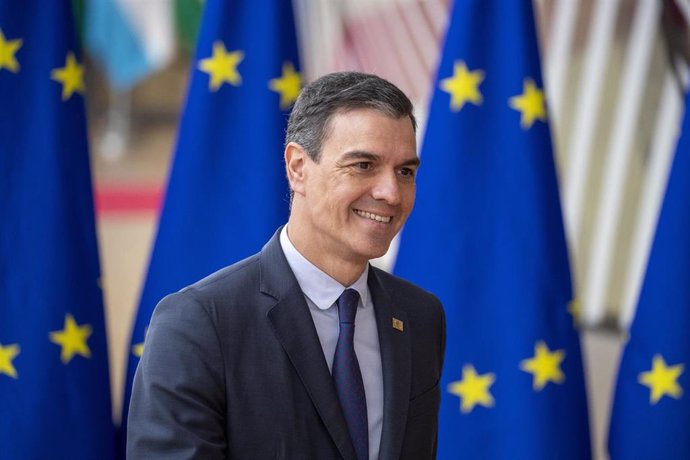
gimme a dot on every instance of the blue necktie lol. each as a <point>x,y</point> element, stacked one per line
<point>348,377</point>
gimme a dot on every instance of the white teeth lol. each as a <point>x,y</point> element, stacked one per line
<point>376,217</point>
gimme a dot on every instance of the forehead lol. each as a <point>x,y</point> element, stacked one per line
<point>369,128</point>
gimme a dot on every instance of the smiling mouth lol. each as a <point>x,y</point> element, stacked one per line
<point>372,216</point>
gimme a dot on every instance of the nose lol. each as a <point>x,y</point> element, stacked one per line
<point>387,188</point>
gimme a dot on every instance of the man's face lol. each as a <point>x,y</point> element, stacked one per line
<point>358,196</point>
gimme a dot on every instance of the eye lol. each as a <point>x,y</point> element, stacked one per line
<point>363,165</point>
<point>407,172</point>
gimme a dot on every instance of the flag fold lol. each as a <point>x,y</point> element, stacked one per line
<point>227,191</point>
<point>651,412</point>
<point>54,381</point>
<point>487,237</point>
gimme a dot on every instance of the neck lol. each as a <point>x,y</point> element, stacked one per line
<point>341,269</point>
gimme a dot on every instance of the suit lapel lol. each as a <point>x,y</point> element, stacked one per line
<point>395,360</point>
<point>294,329</point>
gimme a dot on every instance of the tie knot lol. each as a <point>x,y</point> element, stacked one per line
<point>347,305</point>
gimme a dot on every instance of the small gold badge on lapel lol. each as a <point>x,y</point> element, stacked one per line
<point>397,324</point>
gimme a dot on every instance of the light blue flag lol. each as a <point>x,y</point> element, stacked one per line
<point>487,237</point>
<point>129,39</point>
<point>227,193</point>
<point>651,411</point>
<point>54,381</point>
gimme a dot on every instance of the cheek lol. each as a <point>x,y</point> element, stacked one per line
<point>409,198</point>
<point>343,195</point>
<point>317,189</point>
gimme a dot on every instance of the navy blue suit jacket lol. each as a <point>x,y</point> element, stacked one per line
<point>233,368</point>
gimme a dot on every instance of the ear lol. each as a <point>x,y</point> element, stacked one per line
<point>295,162</point>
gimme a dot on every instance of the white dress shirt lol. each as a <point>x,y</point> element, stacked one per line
<point>321,292</point>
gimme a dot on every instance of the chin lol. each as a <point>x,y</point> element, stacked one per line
<point>374,251</point>
<point>370,245</point>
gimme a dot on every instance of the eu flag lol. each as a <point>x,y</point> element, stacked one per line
<point>487,237</point>
<point>651,413</point>
<point>54,382</point>
<point>227,191</point>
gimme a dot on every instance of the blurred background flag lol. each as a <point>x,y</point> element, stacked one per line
<point>487,237</point>
<point>54,383</point>
<point>187,21</point>
<point>227,191</point>
<point>651,411</point>
<point>129,38</point>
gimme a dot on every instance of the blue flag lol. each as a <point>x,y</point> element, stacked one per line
<point>651,412</point>
<point>54,382</point>
<point>487,237</point>
<point>227,191</point>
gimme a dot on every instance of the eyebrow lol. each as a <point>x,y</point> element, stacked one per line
<point>362,155</point>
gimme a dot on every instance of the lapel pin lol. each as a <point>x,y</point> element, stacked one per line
<point>397,324</point>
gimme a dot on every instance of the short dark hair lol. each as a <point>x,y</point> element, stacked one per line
<point>337,93</point>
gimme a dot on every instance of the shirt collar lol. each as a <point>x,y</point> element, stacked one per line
<point>318,286</point>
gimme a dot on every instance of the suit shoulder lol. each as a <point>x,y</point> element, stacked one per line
<point>239,275</point>
<point>225,290</point>
<point>228,298</point>
<point>417,302</point>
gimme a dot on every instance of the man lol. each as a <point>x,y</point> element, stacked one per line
<point>304,350</point>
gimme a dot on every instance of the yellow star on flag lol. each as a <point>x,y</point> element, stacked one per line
<point>8,49</point>
<point>473,389</point>
<point>463,86</point>
<point>662,380</point>
<point>575,310</point>
<point>530,104</point>
<point>138,349</point>
<point>222,66</point>
<point>545,366</point>
<point>7,354</point>
<point>288,85</point>
<point>71,76</point>
<point>72,339</point>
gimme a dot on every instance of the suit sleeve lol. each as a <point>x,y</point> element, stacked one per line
<point>178,403</point>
